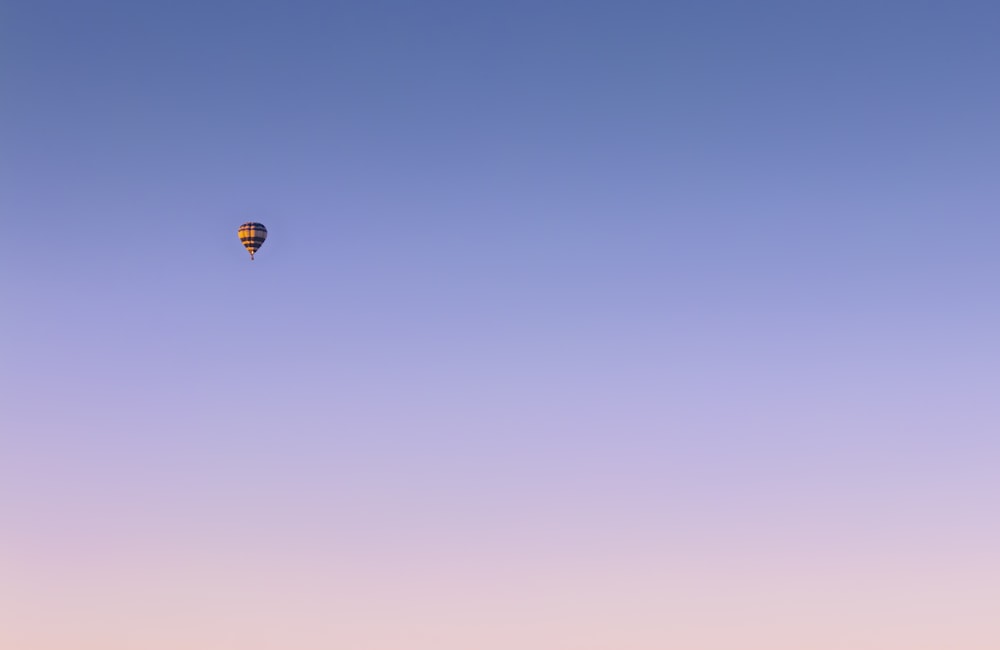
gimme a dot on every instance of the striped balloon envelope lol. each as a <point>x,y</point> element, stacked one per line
<point>253,234</point>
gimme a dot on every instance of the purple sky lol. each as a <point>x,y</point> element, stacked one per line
<point>596,326</point>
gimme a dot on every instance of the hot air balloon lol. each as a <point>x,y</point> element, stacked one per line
<point>253,234</point>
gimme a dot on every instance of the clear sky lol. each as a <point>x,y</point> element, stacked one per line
<point>580,325</point>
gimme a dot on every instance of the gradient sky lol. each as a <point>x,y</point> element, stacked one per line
<point>580,325</point>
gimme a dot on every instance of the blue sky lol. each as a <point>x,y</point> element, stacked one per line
<point>553,268</point>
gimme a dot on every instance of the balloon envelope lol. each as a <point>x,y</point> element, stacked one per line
<point>252,234</point>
